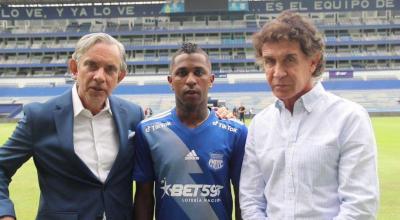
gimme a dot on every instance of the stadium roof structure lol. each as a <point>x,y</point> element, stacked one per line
<point>46,2</point>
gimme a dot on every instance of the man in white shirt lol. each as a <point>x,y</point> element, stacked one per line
<point>81,141</point>
<point>311,154</point>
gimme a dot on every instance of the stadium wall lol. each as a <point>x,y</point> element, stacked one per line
<point>125,89</point>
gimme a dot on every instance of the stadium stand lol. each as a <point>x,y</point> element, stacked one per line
<point>10,110</point>
<point>375,95</point>
<point>362,38</point>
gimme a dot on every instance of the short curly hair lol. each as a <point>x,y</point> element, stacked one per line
<point>189,48</point>
<point>292,27</point>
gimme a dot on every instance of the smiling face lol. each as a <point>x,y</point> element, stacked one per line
<point>288,70</point>
<point>97,72</point>
<point>191,78</point>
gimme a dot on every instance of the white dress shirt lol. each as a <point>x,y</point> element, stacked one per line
<point>317,163</point>
<point>96,139</point>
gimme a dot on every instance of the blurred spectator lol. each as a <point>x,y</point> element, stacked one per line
<point>148,112</point>
<point>241,111</point>
<point>235,112</point>
<point>251,112</point>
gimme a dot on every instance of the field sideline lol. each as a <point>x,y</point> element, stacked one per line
<point>24,186</point>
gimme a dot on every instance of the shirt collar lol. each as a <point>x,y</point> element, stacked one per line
<point>308,100</point>
<point>311,98</point>
<point>78,106</point>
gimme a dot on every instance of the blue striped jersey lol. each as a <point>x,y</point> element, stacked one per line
<point>193,168</point>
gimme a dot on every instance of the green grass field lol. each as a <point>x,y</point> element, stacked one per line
<point>24,186</point>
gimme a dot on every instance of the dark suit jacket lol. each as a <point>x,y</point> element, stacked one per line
<point>68,189</point>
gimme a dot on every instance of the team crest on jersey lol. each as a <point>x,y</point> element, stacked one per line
<point>216,161</point>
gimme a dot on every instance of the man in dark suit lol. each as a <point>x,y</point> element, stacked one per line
<point>80,141</point>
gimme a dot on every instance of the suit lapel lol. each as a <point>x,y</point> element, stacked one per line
<point>120,119</point>
<point>64,118</point>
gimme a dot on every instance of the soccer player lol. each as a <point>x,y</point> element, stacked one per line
<point>190,154</point>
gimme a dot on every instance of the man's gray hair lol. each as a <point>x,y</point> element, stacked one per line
<point>89,40</point>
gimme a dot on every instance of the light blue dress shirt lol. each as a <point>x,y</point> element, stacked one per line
<point>317,163</point>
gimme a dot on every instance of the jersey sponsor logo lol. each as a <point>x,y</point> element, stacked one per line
<point>225,126</point>
<point>216,161</point>
<point>192,156</point>
<point>192,192</point>
<point>156,126</point>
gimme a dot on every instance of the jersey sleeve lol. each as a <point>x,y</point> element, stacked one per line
<point>143,164</point>
<point>237,155</point>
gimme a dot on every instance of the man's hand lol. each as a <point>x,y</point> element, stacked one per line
<point>223,113</point>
